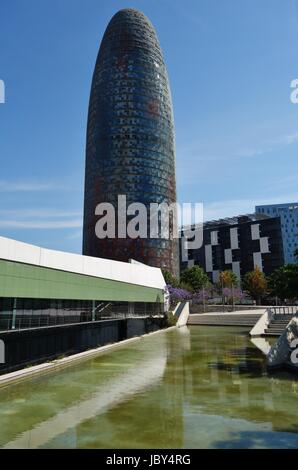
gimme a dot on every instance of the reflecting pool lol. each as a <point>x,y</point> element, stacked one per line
<point>196,387</point>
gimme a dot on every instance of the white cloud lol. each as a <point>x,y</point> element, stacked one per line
<point>268,146</point>
<point>75,235</point>
<point>196,160</point>
<point>39,224</point>
<point>31,186</point>
<point>39,213</point>
<point>40,219</point>
<point>221,149</point>
<point>233,207</point>
<point>289,139</point>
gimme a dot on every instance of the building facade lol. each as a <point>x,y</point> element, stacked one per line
<point>41,287</point>
<point>288,214</point>
<point>54,303</point>
<point>239,244</point>
<point>130,139</point>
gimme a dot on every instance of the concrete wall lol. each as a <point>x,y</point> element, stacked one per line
<point>183,312</point>
<point>261,325</point>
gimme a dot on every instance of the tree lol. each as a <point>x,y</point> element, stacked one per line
<point>228,279</point>
<point>170,279</point>
<point>186,286</point>
<point>232,295</point>
<point>255,284</point>
<point>283,283</point>
<point>178,295</point>
<point>195,277</point>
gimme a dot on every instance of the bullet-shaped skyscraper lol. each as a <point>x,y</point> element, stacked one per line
<point>130,138</point>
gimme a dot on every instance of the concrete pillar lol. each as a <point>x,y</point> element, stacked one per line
<point>14,314</point>
<point>93,310</point>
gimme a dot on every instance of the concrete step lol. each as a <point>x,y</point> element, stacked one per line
<point>282,320</point>
<point>280,328</point>
<point>282,317</point>
<point>224,320</point>
<point>224,316</point>
<point>274,329</point>
<point>221,323</point>
<point>209,317</point>
<point>278,325</point>
<point>273,333</point>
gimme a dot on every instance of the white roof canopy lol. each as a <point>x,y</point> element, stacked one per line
<point>133,273</point>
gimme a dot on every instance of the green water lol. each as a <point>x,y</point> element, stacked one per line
<point>197,387</point>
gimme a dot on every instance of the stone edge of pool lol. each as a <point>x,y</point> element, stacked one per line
<point>35,371</point>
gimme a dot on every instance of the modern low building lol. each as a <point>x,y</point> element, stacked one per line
<point>239,244</point>
<point>288,214</point>
<point>42,288</point>
<point>130,147</point>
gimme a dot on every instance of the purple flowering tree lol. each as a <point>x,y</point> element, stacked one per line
<point>178,295</point>
<point>202,296</point>
<point>229,293</point>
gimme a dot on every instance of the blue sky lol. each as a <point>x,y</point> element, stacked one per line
<point>230,64</point>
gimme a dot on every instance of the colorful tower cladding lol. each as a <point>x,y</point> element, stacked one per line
<point>130,139</point>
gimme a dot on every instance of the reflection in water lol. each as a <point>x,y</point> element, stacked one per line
<point>262,344</point>
<point>194,387</point>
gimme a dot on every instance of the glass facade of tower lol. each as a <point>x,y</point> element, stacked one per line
<point>130,137</point>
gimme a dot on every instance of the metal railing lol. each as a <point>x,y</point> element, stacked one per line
<point>285,310</point>
<point>272,312</point>
<point>23,322</point>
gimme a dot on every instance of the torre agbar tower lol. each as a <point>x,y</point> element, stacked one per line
<point>130,139</point>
